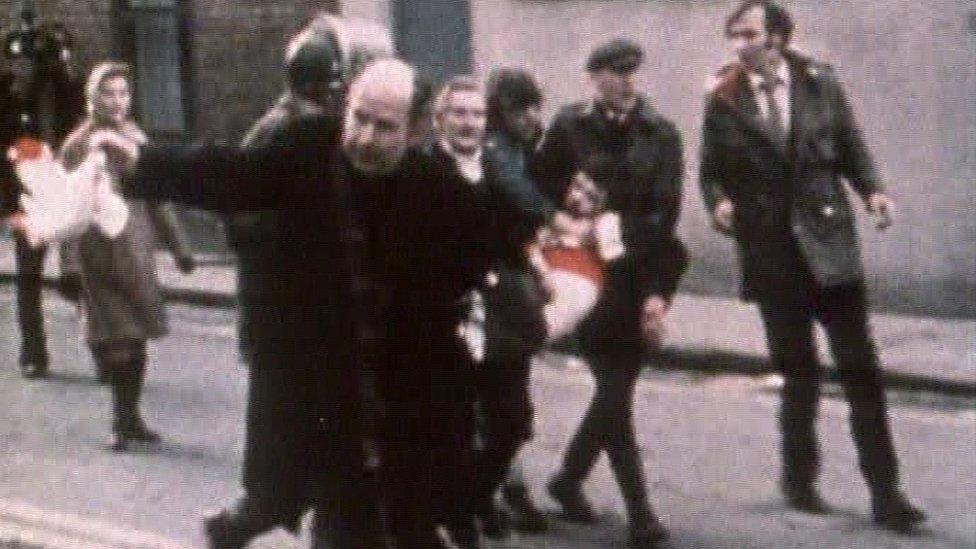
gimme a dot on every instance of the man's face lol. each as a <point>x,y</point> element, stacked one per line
<point>583,197</point>
<point>376,132</point>
<point>615,88</point>
<point>749,39</point>
<point>462,122</point>
<point>525,124</point>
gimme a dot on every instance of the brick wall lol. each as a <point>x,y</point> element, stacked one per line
<point>236,49</point>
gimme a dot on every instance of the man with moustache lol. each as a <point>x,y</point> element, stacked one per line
<point>499,381</point>
<point>778,137</point>
<point>377,251</point>
<point>620,124</point>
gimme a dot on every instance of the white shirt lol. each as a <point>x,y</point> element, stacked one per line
<point>468,165</point>
<point>781,94</point>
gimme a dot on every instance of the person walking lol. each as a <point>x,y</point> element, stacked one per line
<point>779,135</point>
<point>621,124</point>
<point>318,74</point>
<point>121,301</point>
<point>380,250</point>
<point>40,98</point>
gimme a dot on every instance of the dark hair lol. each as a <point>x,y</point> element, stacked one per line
<point>510,90</point>
<point>603,169</point>
<point>422,97</point>
<point>455,84</point>
<point>777,19</point>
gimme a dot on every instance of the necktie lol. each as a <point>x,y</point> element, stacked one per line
<point>774,118</point>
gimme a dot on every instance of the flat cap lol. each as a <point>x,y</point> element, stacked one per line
<point>619,54</point>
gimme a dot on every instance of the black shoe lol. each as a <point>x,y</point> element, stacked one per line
<point>236,525</point>
<point>123,437</point>
<point>140,433</point>
<point>525,516</point>
<point>570,497</point>
<point>895,512</point>
<point>33,370</point>
<point>494,523</point>
<point>647,535</point>
<point>464,534</point>
<point>804,497</point>
<point>118,442</point>
<point>226,530</point>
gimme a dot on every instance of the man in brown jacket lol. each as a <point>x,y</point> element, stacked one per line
<point>778,136</point>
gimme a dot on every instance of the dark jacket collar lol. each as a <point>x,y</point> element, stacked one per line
<point>732,89</point>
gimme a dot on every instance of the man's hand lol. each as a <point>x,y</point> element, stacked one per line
<point>652,320</point>
<point>883,210</point>
<point>114,144</point>
<point>722,217</point>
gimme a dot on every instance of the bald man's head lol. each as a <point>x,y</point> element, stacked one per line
<point>381,116</point>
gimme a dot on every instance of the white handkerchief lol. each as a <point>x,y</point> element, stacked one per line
<point>60,205</point>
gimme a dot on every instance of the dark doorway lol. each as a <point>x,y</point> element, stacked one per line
<point>434,35</point>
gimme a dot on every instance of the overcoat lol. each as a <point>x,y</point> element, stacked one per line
<point>121,296</point>
<point>647,194</point>
<point>416,235</point>
<point>794,225</point>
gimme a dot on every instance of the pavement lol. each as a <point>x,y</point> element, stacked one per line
<point>705,333</point>
<point>714,407</point>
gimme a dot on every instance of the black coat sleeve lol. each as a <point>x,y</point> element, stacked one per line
<point>509,176</point>
<point>856,162</point>
<point>228,179</point>
<point>710,174</point>
<point>661,258</point>
<point>554,163</point>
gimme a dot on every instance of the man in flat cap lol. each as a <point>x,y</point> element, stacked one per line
<point>646,193</point>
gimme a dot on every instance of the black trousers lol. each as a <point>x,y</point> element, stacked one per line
<point>427,436</point>
<point>842,311</point>
<point>609,426</point>
<point>124,365</point>
<point>305,450</point>
<point>504,420</point>
<point>30,317</point>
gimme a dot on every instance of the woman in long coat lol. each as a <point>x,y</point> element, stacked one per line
<point>122,305</point>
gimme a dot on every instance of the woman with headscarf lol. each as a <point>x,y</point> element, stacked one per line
<point>121,301</point>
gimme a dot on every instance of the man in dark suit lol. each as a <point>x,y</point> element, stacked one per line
<point>778,136</point>
<point>39,98</point>
<point>498,380</point>
<point>377,251</point>
<point>622,125</point>
<point>319,71</point>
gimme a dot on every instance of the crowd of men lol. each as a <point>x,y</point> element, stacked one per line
<point>376,220</point>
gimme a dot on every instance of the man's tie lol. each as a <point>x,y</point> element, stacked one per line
<point>774,118</point>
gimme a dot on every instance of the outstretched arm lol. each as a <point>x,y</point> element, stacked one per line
<point>228,179</point>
